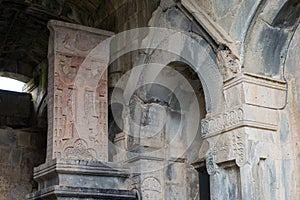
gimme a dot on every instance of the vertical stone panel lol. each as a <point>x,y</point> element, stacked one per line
<point>77,92</point>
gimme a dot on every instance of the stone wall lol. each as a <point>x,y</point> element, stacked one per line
<point>259,128</point>
<point>20,151</point>
<point>21,148</point>
<point>15,109</point>
<point>291,119</point>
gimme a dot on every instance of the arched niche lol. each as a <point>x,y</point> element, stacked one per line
<point>168,110</point>
<point>162,46</point>
<point>167,59</point>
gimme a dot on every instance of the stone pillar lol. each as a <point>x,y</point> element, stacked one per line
<point>241,140</point>
<point>77,93</point>
<point>77,151</point>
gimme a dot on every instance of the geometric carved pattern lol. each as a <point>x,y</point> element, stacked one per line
<point>78,84</point>
<point>223,121</point>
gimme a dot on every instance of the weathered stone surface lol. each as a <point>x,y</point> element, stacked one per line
<point>18,157</point>
<point>77,93</point>
<point>245,54</point>
<point>61,179</point>
<point>15,109</point>
<point>290,122</point>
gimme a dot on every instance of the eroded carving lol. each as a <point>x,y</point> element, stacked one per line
<point>221,122</point>
<point>239,147</point>
<point>228,63</point>
<point>4,184</point>
<point>80,95</point>
<point>151,188</point>
<point>228,147</point>
<point>210,164</point>
<point>80,151</point>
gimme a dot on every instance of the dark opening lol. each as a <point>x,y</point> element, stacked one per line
<point>204,184</point>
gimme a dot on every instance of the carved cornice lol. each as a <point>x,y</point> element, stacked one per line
<point>256,79</point>
<point>222,122</point>
<point>239,117</point>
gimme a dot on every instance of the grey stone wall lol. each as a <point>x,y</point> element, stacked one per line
<point>21,147</point>
<point>20,151</point>
<point>259,35</point>
<point>15,109</point>
<point>291,128</point>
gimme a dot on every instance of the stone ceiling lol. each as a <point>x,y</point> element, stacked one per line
<point>24,34</point>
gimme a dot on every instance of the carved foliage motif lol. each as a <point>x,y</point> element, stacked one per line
<point>228,63</point>
<point>79,151</point>
<point>4,184</point>
<point>221,122</point>
<point>230,146</point>
<point>64,117</point>
<point>133,182</point>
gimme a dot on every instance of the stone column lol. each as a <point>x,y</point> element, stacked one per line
<point>77,151</point>
<point>77,93</point>
<point>241,140</point>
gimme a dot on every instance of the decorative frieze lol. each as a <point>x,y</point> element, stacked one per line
<point>243,116</point>
<point>221,122</point>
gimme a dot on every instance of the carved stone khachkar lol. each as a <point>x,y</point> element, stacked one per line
<point>77,153</point>
<point>77,94</point>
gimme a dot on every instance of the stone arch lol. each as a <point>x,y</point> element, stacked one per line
<point>269,37</point>
<point>166,45</point>
<point>201,58</point>
<point>181,136</point>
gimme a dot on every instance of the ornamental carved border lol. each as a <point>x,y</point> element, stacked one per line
<point>222,122</point>
<point>232,146</point>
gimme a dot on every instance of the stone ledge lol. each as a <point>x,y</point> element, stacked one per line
<point>95,168</point>
<point>72,177</point>
<point>63,192</point>
<point>255,90</point>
